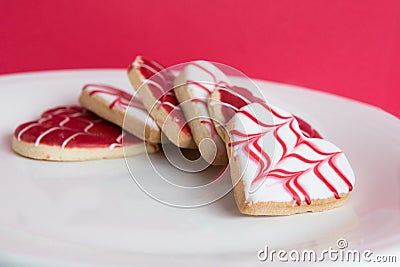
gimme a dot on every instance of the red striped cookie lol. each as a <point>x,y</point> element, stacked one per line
<point>71,133</point>
<point>277,170</point>
<point>154,85</point>
<point>193,86</point>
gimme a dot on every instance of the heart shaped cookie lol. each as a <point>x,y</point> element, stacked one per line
<point>277,170</point>
<point>122,109</point>
<point>154,85</point>
<point>193,86</point>
<point>71,133</point>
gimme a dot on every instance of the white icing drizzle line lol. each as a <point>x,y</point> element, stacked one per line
<point>62,127</point>
<point>67,119</point>
<point>65,143</point>
<point>85,131</point>
<point>40,137</point>
<point>40,121</point>
<point>117,144</point>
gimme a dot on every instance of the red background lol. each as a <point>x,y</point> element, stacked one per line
<point>347,47</point>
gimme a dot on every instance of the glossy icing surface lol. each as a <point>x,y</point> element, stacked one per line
<point>161,83</point>
<point>122,100</point>
<point>279,163</point>
<point>233,98</point>
<point>72,127</point>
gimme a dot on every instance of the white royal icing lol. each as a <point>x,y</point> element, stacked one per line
<point>201,79</point>
<point>295,160</point>
<point>111,94</point>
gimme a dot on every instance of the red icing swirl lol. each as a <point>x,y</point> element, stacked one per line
<point>122,98</point>
<point>72,127</point>
<point>161,83</point>
<point>251,146</point>
<point>233,98</point>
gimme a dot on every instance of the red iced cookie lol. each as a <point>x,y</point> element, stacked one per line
<point>71,133</point>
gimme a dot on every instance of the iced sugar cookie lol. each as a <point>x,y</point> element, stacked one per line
<point>154,85</point>
<point>277,170</point>
<point>226,100</point>
<point>71,133</point>
<point>193,86</point>
<point>114,105</point>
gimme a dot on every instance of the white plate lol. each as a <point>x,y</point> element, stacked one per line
<point>92,213</point>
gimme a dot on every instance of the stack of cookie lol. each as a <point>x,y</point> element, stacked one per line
<point>279,163</point>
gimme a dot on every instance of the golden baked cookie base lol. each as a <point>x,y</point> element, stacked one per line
<point>56,153</point>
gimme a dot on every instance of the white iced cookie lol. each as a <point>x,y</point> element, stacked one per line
<point>193,86</point>
<point>226,100</point>
<point>277,170</point>
<point>115,105</point>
